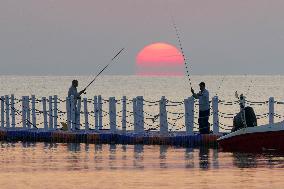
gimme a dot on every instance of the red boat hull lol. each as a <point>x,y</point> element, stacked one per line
<point>256,140</point>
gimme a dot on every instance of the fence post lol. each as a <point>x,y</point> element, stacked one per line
<point>136,129</point>
<point>72,113</point>
<point>78,114</point>
<point>100,108</point>
<point>86,113</point>
<point>215,107</point>
<point>24,115</point>
<point>13,110</point>
<point>112,114</point>
<point>163,116</point>
<point>33,111</point>
<point>189,115</point>
<point>271,110</point>
<point>28,111</point>
<point>140,113</point>
<point>68,112</point>
<point>7,111</point>
<point>96,112</point>
<point>186,115</point>
<point>50,114</point>
<point>44,113</point>
<point>2,112</point>
<point>123,122</point>
<point>55,112</point>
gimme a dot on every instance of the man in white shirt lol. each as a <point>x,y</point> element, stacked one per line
<point>204,108</point>
<point>77,96</point>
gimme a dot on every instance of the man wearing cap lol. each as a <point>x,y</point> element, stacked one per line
<point>204,108</point>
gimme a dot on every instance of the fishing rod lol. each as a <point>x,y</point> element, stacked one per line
<point>248,88</point>
<point>181,49</point>
<point>183,56</point>
<point>103,69</point>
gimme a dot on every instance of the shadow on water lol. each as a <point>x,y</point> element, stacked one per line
<point>245,160</point>
<point>251,160</point>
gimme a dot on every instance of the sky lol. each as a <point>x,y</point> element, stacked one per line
<point>71,37</point>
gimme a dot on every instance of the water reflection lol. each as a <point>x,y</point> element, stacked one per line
<point>98,147</point>
<point>163,156</point>
<point>28,144</point>
<point>74,147</point>
<point>189,158</point>
<point>124,147</point>
<point>244,160</point>
<point>48,145</point>
<point>138,156</point>
<point>215,159</point>
<point>247,160</point>
<point>112,156</point>
<point>98,158</point>
<point>204,158</point>
<point>87,147</point>
<point>73,156</point>
<point>124,155</point>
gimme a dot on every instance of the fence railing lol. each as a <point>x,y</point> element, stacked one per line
<point>137,114</point>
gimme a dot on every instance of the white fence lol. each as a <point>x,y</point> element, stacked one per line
<point>137,114</point>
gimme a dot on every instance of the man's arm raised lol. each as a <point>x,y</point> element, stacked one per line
<point>194,94</point>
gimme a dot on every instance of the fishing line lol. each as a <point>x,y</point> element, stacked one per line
<point>181,49</point>
<point>182,52</point>
<point>220,85</point>
<point>249,86</point>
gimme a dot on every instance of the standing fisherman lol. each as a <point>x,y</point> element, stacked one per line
<point>73,91</point>
<point>77,96</point>
<point>204,108</point>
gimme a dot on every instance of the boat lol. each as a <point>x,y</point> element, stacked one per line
<point>264,138</point>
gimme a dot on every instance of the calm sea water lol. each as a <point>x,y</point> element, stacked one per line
<point>255,87</point>
<point>43,165</point>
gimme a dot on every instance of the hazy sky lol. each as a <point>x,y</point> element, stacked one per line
<point>40,37</point>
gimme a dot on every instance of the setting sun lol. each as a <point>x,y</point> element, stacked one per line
<point>159,59</point>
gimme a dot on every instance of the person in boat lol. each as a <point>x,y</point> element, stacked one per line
<point>73,92</point>
<point>204,108</point>
<point>246,117</point>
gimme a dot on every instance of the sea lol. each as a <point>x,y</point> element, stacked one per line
<point>59,165</point>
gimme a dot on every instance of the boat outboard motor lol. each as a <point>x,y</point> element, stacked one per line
<point>250,119</point>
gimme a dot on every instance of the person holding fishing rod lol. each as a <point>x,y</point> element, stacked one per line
<point>202,96</point>
<point>77,96</point>
<point>204,108</point>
